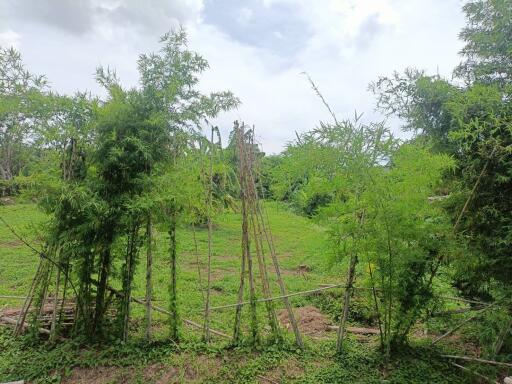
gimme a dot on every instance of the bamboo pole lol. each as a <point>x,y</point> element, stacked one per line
<point>149,276</point>
<point>198,263</point>
<point>28,301</point>
<point>173,300</point>
<point>258,227</point>
<point>272,317</point>
<point>206,335</point>
<point>275,262</point>
<point>245,239</point>
<point>53,326</point>
<point>283,296</point>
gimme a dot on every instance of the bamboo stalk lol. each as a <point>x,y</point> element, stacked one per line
<point>346,303</point>
<point>473,190</point>
<point>375,301</point>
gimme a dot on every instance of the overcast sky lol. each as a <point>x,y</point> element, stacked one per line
<point>256,48</point>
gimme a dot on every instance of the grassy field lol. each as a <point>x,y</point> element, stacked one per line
<point>298,242</point>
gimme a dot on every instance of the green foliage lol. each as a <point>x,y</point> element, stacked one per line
<point>399,237</point>
<point>134,140</point>
<point>484,115</point>
<point>473,124</point>
<point>19,92</point>
<point>488,42</point>
<point>421,102</point>
<point>326,164</point>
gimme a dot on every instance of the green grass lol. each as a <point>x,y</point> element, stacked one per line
<point>298,241</point>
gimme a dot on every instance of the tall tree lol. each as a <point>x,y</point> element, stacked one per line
<point>19,91</point>
<point>488,42</point>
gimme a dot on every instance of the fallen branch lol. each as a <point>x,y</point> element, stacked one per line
<point>464,300</point>
<point>358,330</point>
<point>475,373</point>
<point>483,361</point>
<point>456,311</point>
<point>12,297</point>
<point>12,321</point>
<point>478,314</point>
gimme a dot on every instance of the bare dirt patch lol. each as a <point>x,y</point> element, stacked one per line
<point>7,201</point>
<point>310,320</point>
<point>11,243</point>
<point>183,369</point>
<point>100,375</point>
<point>290,369</point>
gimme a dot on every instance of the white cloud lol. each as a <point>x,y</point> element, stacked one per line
<point>9,38</point>
<point>245,15</point>
<point>346,45</point>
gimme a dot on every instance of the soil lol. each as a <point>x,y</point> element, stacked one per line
<point>310,320</point>
<point>290,369</point>
<point>12,243</point>
<point>191,369</point>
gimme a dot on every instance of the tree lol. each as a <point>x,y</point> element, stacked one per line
<point>137,137</point>
<point>398,236</point>
<point>420,101</point>
<point>488,43</point>
<point>19,91</point>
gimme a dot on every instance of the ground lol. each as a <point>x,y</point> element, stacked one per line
<point>304,257</point>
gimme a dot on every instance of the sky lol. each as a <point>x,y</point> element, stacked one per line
<point>258,49</point>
